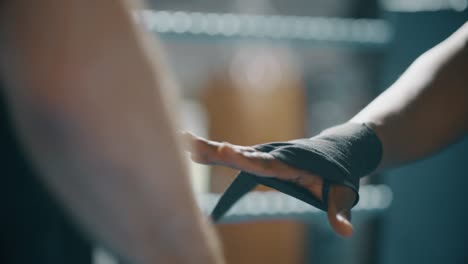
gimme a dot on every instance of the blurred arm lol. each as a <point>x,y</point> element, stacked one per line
<point>427,108</point>
<point>89,104</point>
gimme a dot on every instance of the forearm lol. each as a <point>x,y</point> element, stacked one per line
<point>88,105</point>
<point>426,109</point>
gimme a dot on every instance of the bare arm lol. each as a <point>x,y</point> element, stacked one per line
<point>89,104</point>
<point>427,108</point>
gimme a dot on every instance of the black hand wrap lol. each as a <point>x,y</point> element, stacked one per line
<point>340,155</point>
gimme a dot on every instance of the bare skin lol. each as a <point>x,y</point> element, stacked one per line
<point>89,97</point>
<point>424,111</point>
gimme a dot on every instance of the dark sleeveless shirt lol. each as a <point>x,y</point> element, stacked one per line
<point>33,227</point>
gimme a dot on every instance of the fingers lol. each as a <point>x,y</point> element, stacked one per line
<point>209,152</point>
<point>262,164</point>
<point>250,160</point>
<point>340,198</point>
<point>200,149</point>
<point>340,202</point>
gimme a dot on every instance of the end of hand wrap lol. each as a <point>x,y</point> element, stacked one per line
<point>340,155</point>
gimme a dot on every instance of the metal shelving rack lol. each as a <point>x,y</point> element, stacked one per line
<point>357,33</point>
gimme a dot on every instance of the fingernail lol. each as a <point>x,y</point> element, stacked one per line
<point>344,217</point>
<point>347,229</point>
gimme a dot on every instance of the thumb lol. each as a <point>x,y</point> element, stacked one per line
<point>340,202</point>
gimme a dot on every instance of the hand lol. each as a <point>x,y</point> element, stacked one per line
<point>340,198</point>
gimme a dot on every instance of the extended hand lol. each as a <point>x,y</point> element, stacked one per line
<point>340,198</point>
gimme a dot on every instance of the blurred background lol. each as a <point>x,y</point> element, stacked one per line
<point>253,71</point>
